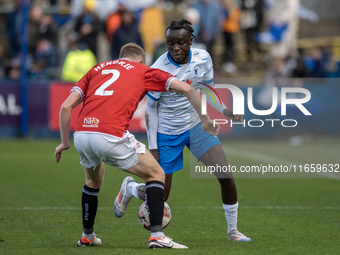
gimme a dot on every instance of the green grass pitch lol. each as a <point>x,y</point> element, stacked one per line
<point>40,209</point>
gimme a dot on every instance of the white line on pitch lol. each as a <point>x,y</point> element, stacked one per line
<point>269,159</point>
<point>106,208</point>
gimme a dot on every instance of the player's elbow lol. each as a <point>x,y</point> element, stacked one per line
<point>180,87</point>
<point>66,107</point>
<point>187,90</point>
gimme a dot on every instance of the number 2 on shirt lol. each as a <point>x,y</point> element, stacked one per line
<point>101,90</point>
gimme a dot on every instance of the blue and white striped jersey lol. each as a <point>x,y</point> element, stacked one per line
<point>175,113</point>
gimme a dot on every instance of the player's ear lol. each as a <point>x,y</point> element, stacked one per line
<point>141,59</point>
<point>191,40</point>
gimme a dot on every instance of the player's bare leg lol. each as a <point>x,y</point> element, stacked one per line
<point>215,156</point>
<point>148,168</point>
<point>94,178</point>
<point>167,186</point>
<point>94,181</point>
<point>150,171</point>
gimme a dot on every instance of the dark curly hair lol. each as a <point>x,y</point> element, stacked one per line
<point>176,25</point>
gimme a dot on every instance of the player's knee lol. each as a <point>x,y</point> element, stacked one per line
<point>160,175</point>
<point>157,174</point>
<point>94,184</point>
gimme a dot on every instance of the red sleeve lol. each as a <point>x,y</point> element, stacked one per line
<point>157,80</point>
<point>82,85</point>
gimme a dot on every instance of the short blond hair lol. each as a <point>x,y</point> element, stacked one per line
<point>132,51</point>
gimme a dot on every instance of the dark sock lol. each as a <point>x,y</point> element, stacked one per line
<point>154,198</point>
<point>89,203</point>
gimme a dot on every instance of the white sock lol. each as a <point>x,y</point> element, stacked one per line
<point>89,237</point>
<point>231,216</point>
<point>157,234</point>
<point>133,188</point>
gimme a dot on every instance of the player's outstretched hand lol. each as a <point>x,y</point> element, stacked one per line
<point>210,128</point>
<point>58,150</point>
<point>230,115</point>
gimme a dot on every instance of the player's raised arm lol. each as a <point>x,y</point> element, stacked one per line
<point>64,121</point>
<point>192,95</point>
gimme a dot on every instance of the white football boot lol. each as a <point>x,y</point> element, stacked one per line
<point>164,242</point>
<point>86,242</point>
<point>235,235</point>
<point>123,198</point>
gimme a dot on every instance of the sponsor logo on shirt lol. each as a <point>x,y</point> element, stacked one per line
<point>90,122</point>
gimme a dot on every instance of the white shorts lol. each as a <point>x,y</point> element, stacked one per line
<point>95,148</point>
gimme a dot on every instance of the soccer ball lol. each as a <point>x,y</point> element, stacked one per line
<point>144,219</point>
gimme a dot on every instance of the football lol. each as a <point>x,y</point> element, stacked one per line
<point>144,219</point>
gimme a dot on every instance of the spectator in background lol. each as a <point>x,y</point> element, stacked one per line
<point>210,22</point>
<point>44,58</point>
<point>35,16</point>
<point>317,64</point>
<point>193,16</point>
<point>283,29</point>
<point>2,58</point>
<point>49,29</point>
<point>251,20</point>
<point>103,8</point>
<point>280,69</point>
<point>230,28</point>
<point>88,25</point>
<point>137,7</point>
<point>151,26</point>
<point>13,71</point>
<point>126,33</point>
<point>300,70</point>
<point>113,22</point>
<point>283,20</point>
<point>79,60</point>
<point>160,48</point>
<point>13,30</point>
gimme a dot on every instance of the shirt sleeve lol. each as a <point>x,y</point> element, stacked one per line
<point>155,96</point>
<point>81,86</point>
<point>157,80</point>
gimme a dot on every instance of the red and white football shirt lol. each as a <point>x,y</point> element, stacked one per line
<point>111,92</point>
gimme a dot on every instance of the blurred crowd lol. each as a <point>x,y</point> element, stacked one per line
<point>42,34</point>
<point>241,34</point>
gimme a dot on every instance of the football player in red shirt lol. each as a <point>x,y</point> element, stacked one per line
<point>110,93</point>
